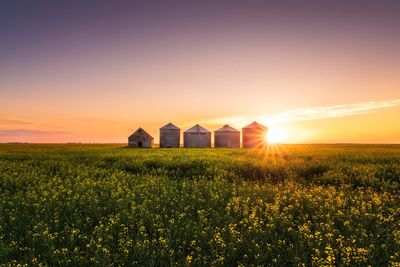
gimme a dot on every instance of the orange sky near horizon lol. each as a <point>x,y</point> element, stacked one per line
<point>311,72</point>
<point>376,126</point>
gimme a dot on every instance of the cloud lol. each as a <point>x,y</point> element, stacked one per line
<point>325,112</point>
<point>311,113</point>
<point>28,132</point>
<point>7,122</point>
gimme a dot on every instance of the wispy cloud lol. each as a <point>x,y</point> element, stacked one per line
<point>28,132</point>
<point>8,122</point>
<point>312,113</point>
<point>325,112</point>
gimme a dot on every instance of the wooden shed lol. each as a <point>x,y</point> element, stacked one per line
<point>140,138</point>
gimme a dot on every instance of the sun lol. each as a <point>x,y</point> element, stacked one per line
<point>277,134</point>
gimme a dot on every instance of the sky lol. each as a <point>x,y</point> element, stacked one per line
<point>95,71</point>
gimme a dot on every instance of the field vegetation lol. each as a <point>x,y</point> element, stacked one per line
<point>290,205</point>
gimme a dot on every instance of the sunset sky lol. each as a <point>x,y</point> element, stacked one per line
<point>95,71</point>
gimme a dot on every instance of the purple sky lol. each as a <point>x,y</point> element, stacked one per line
<point>95,63</point>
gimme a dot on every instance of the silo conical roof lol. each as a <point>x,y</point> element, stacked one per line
<point>227,128</point>
<point>169,126</point>
<point>254,125</point>
<point>197,129</point>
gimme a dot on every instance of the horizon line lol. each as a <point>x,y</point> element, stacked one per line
<point>114,143</point>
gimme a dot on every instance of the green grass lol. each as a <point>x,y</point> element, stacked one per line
<point>313,205</point>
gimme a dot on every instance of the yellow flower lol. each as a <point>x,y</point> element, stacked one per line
<point>189,258</point>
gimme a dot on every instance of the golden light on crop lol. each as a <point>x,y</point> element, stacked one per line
<point>277,134</point>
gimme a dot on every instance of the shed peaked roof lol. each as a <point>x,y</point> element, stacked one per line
<point>197,129</point>
<point>254,125</point>
<point>169,126</point>
<point>141,131</point>
<point>227,128</point>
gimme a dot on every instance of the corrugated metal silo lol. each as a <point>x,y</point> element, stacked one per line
<point>170,136</point>
<point>227,136</point>
<point>197,136</point>
<point>254,135</point>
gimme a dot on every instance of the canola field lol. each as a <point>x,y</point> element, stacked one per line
<point>289,205</point>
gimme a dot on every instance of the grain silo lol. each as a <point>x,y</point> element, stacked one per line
<point>170,136</point>
<point>254,135</point>
<point>140,138</point>
<point>227,136</point>
<point>197,136</point>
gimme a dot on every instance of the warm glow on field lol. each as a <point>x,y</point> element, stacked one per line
<point>277,134</point>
